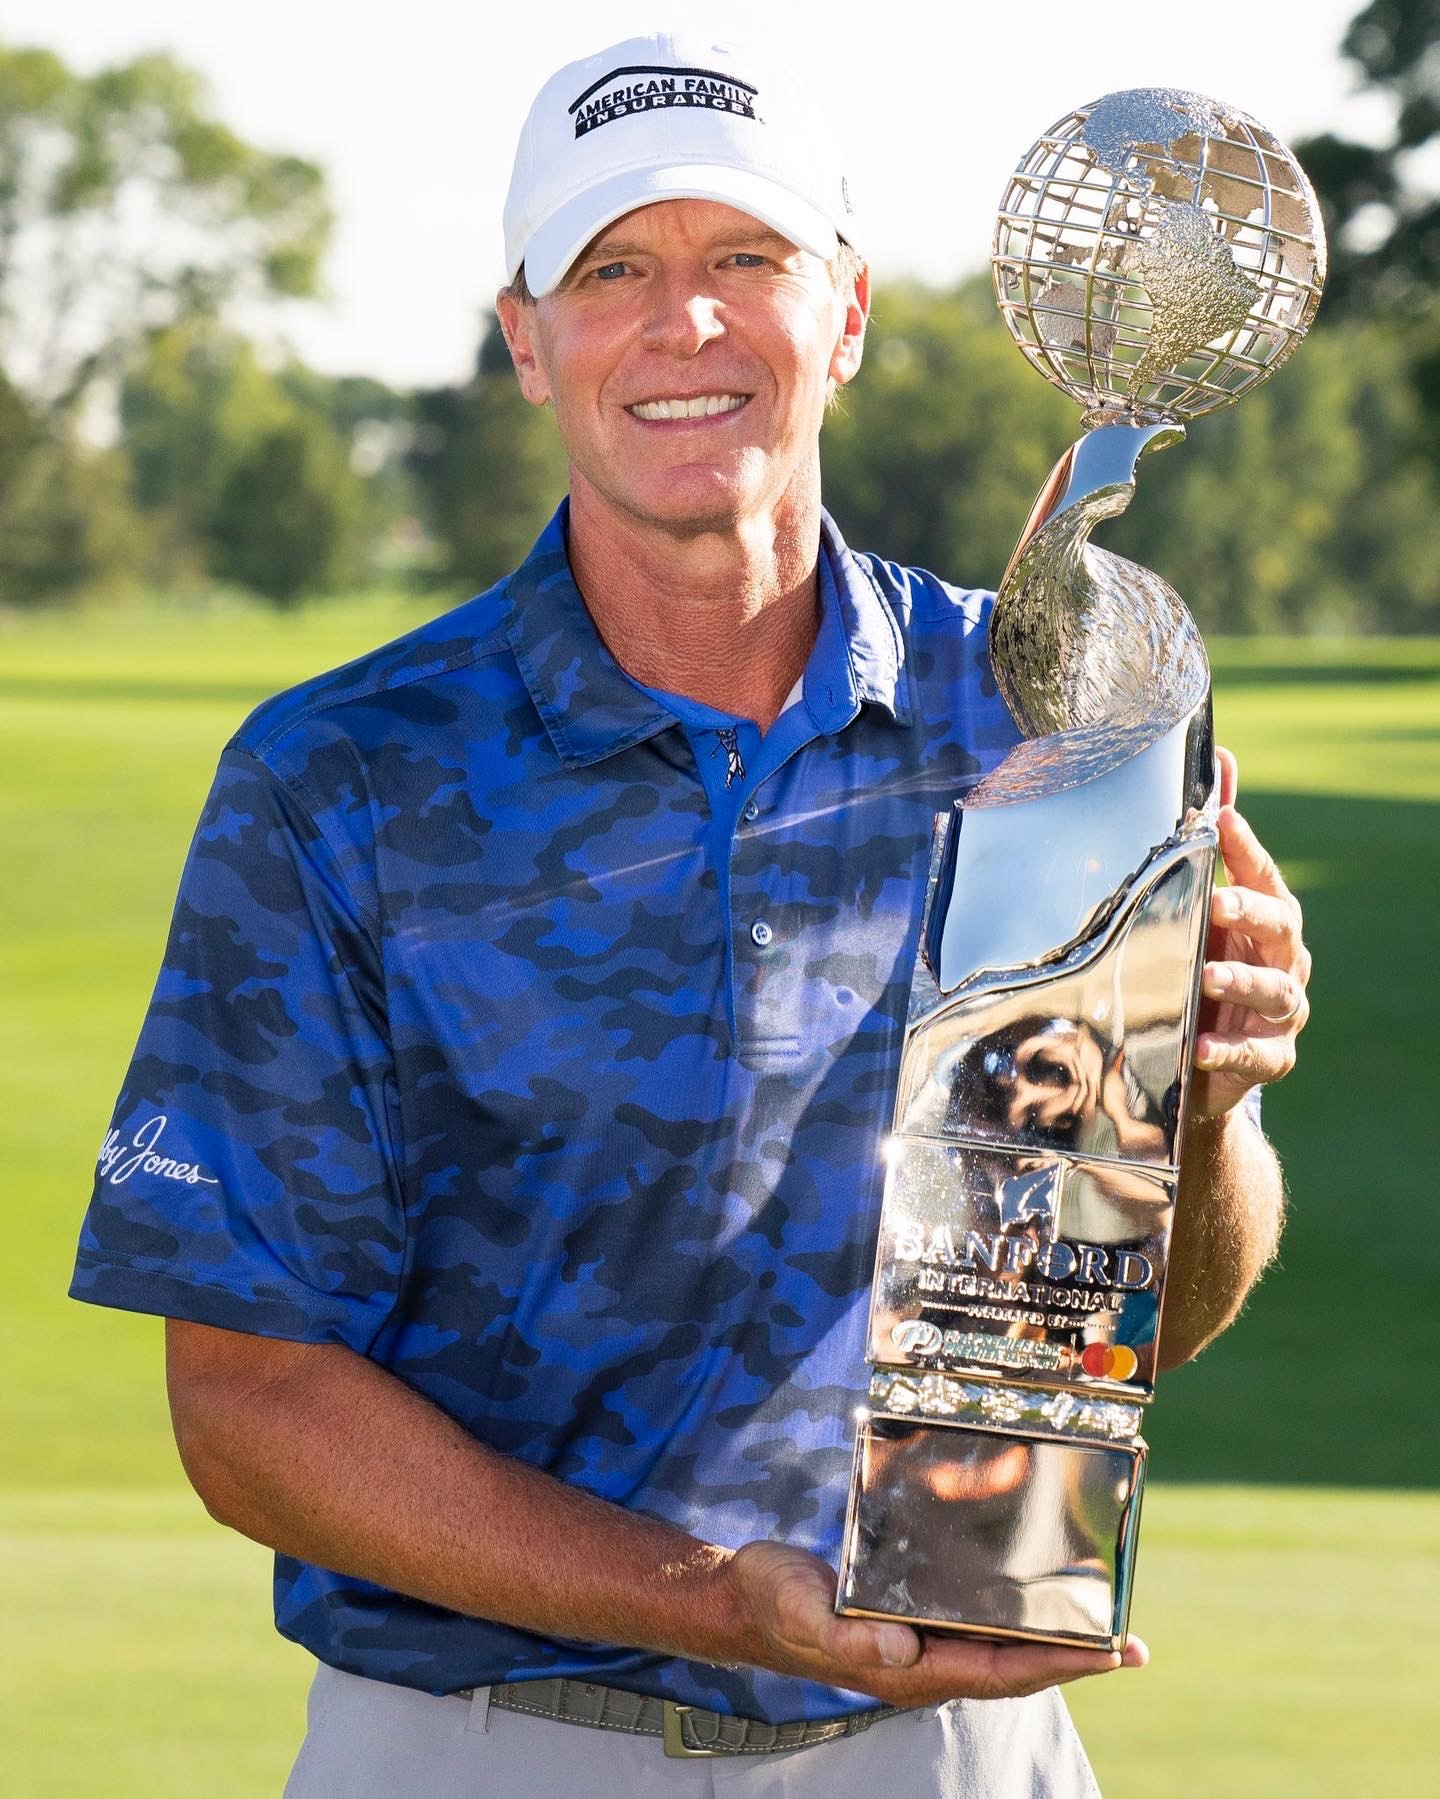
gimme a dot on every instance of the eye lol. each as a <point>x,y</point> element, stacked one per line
<point>748,259</point>
<point>609,271</point>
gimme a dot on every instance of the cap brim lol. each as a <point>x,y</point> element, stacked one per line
<point>554,245</point>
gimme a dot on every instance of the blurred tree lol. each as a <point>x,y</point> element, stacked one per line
<point>124,209</point>
<point>1304,508</point>
<point>18,430</point>
<point>65,506</point>
<point>287,518</point>
<point>190,408</point>
<point>1384,231</point>
<point>935,453</point>
<point>250,474</point>
<point>125,206</point>
<point>491,466</point>
<point>376,422</point>
<point>68,518</point>
<point>1382,211</point>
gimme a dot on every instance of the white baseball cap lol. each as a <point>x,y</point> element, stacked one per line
<point>670,117</point>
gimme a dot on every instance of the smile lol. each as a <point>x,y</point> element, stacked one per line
<point>702,406</point>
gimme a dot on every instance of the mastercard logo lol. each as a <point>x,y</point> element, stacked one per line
<point>1108,1361</point>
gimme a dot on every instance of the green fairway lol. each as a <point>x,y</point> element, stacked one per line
<point>1285,1628</point>
<point>1289,1619</point>
<point>1282,1630</point>
<point>1340,772</point>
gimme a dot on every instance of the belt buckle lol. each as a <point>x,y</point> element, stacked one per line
<point>673,1734</point>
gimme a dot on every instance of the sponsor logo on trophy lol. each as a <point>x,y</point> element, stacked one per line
<point>1157,254</point>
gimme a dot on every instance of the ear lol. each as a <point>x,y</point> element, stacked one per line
<point>518,323</point>
<point>845,362</point>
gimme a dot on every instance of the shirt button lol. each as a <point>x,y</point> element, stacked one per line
<point>751,812</point>
<point>760,934</point>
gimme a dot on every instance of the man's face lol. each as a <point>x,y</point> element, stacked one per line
<point>688,355</point>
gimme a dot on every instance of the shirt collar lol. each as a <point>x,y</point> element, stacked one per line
<point>859,653</point>
<point>592,709</point>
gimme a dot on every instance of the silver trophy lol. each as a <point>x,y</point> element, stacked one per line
<point>1157,255</point>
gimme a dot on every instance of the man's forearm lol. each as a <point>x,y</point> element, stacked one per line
<point>1227,1227</point>
<point>317,1452</point>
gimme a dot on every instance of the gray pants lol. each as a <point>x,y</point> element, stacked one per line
<point>367,1739</point>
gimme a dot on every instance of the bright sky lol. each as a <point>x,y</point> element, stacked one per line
<point>414,112</point>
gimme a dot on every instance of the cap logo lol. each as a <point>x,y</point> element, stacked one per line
<point>654,87</point>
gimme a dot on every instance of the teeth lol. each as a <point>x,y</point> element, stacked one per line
<point>703,406</point>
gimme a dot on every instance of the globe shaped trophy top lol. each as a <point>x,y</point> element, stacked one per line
<point>1157,254</point>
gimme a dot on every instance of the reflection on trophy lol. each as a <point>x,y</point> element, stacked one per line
<point>1157,254</point>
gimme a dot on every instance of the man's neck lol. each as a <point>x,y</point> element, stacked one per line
<point>727,618</point>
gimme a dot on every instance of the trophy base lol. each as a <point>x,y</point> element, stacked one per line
<point>996,1533</point>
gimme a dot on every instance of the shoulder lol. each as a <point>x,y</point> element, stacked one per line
<point>924,601</point>
<point>416,676</point>
<point>944,626</point>
<point>333,762</point>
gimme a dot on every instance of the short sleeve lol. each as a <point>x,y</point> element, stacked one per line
<point>250,1175</point>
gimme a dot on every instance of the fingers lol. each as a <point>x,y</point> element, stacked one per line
<point>799,1593</point>
<point>1245,1061</point>
<point>1256,976</point>
<point>1228,770</point>
<point>1272,993</point>
<point>791,1598</point>
<point>1272,923</point>
<point>1256,912</point>
<point>865,1645</point>
<point>904,1668</point>
<point>802,1594</point>
<point>1247,861</point>
<point>1011,1670</point>
<point>1259,914</point>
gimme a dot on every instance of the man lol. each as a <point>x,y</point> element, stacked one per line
<point>502,1143</point>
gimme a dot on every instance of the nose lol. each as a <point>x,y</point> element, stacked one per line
<point>683,316</point>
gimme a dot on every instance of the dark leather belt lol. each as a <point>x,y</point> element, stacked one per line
<point>685,1730</point>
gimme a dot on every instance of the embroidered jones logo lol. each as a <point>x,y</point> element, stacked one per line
<point>117,1161</point>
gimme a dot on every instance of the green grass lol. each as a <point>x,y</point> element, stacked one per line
<point>145,1665</point>
<point>1293,1643</point>
<point>1285,1628</point>
<point>1289,1620</point>
<point>1340,772</point>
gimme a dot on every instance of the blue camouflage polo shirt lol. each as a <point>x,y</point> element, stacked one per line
<point>534,1035</point>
